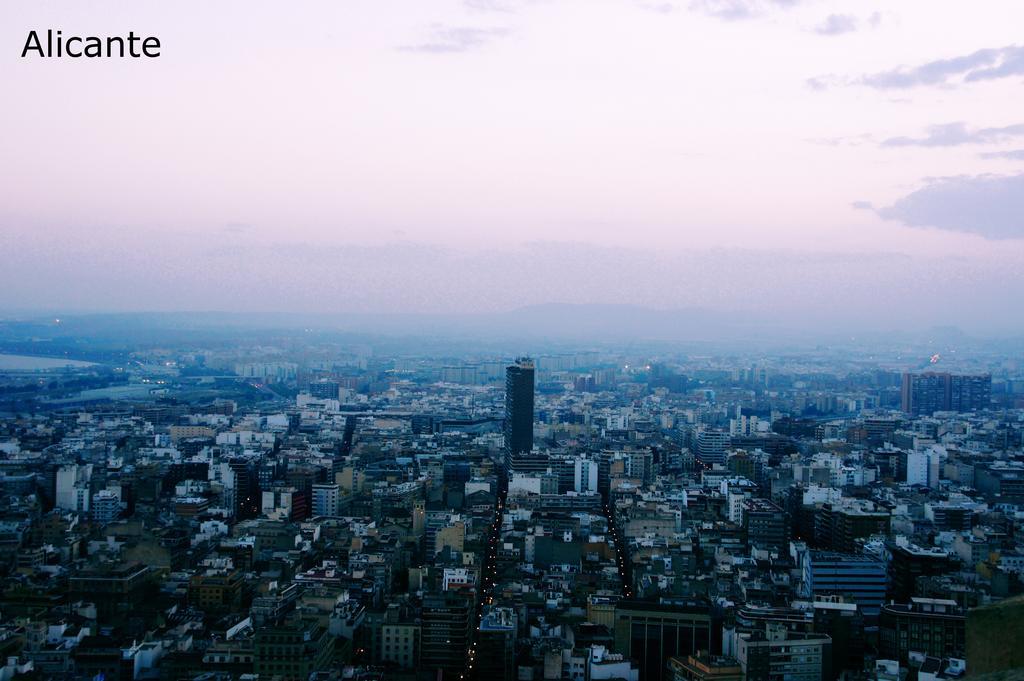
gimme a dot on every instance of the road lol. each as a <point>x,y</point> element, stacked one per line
<point>621,553</point>
<point>488,574</point>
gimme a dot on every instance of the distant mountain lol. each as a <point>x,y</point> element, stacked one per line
<point>622,322</point>
<point>564,321</point>
<point>552,322</point>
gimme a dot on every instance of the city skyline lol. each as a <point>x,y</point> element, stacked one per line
<point>342,512</point>
<point>511,340</point>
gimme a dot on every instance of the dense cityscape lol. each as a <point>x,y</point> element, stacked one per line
<point>511,340</point>
<point>304,506</point>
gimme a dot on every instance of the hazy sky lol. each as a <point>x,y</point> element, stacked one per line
<point>800,156</point>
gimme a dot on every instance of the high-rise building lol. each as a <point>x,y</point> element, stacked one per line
<point>967,393</point>
<point>765,525</point>
<point>862,579</point>
<point>216,590</point>
<point>292,650</point>
<point>843,623</point>
<point>447,623</point>
<point>930,626</point>
<point>400,642</point>
<point>325,499</point>
<point>585,474</point>
<point>839,526</point>
<point>116,589</point>
<point>518,429</point>
<point>922,468</point>
<point>419,517</point>
<point>497,646</point>
<point>651,632</point>
<point>711,444</point>
<point>106,507</point>
<point>285,503</point>
<point>777,654</point>
<point>325,389</point>
<point>909,562</point>
<point>72,487</point>
<point>926,393</point>
<point>246,486</point>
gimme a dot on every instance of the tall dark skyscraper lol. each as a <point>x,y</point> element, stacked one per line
<point>519,379</point>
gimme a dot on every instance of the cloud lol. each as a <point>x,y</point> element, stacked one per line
<point>1013,155</point>
<point>981,65</point>
<point>862,205</point>
<point>451,39</point>
<point>504,6</point>
<point>985,64</point>
<point>735,10</point>
<point>818,83</point>
<point>840,24</point>
<point>956,134</point>
<point>844,140</point>
<point>501,6</point>
<point>991,206</point>
<point>236,227</point>
<point>658,7</point>
<point>837,24</point>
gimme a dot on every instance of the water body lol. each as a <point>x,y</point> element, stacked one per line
<point>27,363</point>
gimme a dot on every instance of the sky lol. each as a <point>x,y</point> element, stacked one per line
<point>830,162</point>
